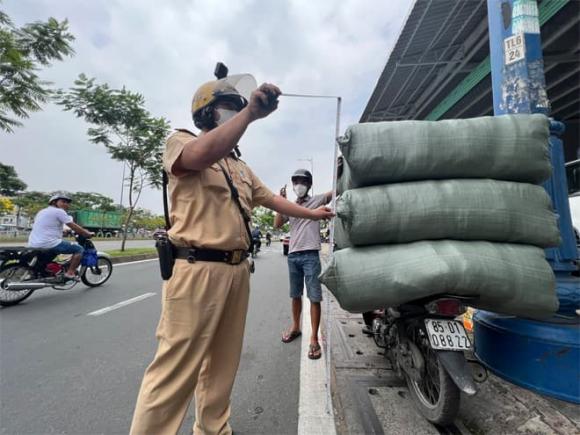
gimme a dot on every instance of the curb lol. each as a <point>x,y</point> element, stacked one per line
<point>129,258</point>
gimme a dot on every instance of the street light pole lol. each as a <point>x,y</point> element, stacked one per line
<point>328,352</point>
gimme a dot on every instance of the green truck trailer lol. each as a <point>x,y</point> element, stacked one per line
<point>102,223</point>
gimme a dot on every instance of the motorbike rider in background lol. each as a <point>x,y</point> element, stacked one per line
<point>47,232</point>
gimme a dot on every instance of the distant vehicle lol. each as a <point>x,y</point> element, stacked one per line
<point>285,239</point>
<point>102,223</point>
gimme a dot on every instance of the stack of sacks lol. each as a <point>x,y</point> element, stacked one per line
<point>447,207</point>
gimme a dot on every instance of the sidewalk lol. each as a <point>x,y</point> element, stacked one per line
<point>369,398</point>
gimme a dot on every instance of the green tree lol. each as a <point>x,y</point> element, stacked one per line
<point>6,205</point>
<point>263,217</point>
<point>10,184</point>
<point>145,219</point>
<point>128,131</point>
<point>92,201</point>
<point>31,202</point>
<point>23,51</point>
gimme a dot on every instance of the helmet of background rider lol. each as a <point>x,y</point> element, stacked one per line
<point>235,89</point>
<point>58,196</point>
<point>302,174</point>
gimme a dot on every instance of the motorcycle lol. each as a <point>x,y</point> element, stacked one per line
<point>427,347</point>
<point>25,270</point>
<point>256,247</point>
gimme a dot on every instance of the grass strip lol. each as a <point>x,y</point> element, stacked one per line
<point>131,251</point>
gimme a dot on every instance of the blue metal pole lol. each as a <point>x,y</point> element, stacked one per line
<point>541,356</point>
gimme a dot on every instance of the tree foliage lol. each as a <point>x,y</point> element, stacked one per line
<point>145,219</point>
<point>263,217</point>
<point>10,184</point>
<point>31,202</point>
<point>92,201</point>
<point>6,205</point>
<point>126,129</point>
<point>23,51</point>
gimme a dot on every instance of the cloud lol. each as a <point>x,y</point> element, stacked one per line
<point>164,50</point>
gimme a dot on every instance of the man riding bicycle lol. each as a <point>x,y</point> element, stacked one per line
<point>47,232</point>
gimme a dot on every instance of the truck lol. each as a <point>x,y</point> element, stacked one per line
<point>102,223</point>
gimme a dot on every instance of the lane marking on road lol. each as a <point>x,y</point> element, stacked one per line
<point>313,417</point>
<point>135,262</point>
<point>121,304</point>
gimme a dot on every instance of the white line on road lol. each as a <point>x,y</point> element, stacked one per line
<point>313,417</point>
<point>121,304</point>
<point>134,262</point>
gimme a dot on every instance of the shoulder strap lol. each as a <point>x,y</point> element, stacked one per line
<point>236,198</point>
<point>165,203</point>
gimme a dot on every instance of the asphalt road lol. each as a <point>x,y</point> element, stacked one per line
<point>64,372</point>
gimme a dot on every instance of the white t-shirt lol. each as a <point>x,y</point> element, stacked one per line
<point>47,228</point>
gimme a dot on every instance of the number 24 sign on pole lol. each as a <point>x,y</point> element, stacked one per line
<point>514,48</point>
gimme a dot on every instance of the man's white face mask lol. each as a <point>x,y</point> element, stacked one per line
<point>225,115</point>
<point>300,190</point>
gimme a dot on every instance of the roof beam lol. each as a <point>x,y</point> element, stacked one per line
<point>472,44</point>
<point>562,57</point>
<point>385,87</point>
<point>435,39</point>
<point>547,11</point>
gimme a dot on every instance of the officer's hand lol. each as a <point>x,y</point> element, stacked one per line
<point>283,192</point>
<point>263,101</point>
<point>322,213</point>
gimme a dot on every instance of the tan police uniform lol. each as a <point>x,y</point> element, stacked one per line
<point>204,306</point>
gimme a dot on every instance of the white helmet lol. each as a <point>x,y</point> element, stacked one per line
<point>58,196</point>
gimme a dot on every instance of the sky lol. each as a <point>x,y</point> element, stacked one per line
<point>165,50</point>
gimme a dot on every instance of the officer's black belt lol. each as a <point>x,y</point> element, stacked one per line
<point>197,254</point>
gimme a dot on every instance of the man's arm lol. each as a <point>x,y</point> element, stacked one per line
<point>287,208</point>
<point>278,220</point>
<point>202,152</point>
<point>78,229</point>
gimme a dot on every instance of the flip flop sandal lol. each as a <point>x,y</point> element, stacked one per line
<point>314,351</point>
<point>288,337</point>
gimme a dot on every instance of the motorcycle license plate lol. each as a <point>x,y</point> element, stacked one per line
<point>447,335</point>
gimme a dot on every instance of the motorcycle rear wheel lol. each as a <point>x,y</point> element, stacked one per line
<point>13,272</point>
<point>436,395</point>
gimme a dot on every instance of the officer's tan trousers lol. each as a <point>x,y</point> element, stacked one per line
<point>200,337</point>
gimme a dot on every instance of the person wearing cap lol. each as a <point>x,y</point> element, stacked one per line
<point>205,300</point>
<point>47,232</point>
<point>304,259</point>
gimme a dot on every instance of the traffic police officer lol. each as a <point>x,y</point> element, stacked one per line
<point>205,301</point>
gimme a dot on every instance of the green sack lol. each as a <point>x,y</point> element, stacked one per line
<point>497,211</point>
<point>510,279</point>
<point>509,147</point>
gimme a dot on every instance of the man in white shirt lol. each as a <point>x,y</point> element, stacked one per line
<point>47,232</point>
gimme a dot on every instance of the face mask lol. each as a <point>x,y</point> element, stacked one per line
<point>225,115</point>
<point>300,190</point>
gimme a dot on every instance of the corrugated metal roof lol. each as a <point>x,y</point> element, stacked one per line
<point>438,69</point>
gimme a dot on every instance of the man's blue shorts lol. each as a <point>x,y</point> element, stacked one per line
<point>65,247</point>
<point>304,267</point>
